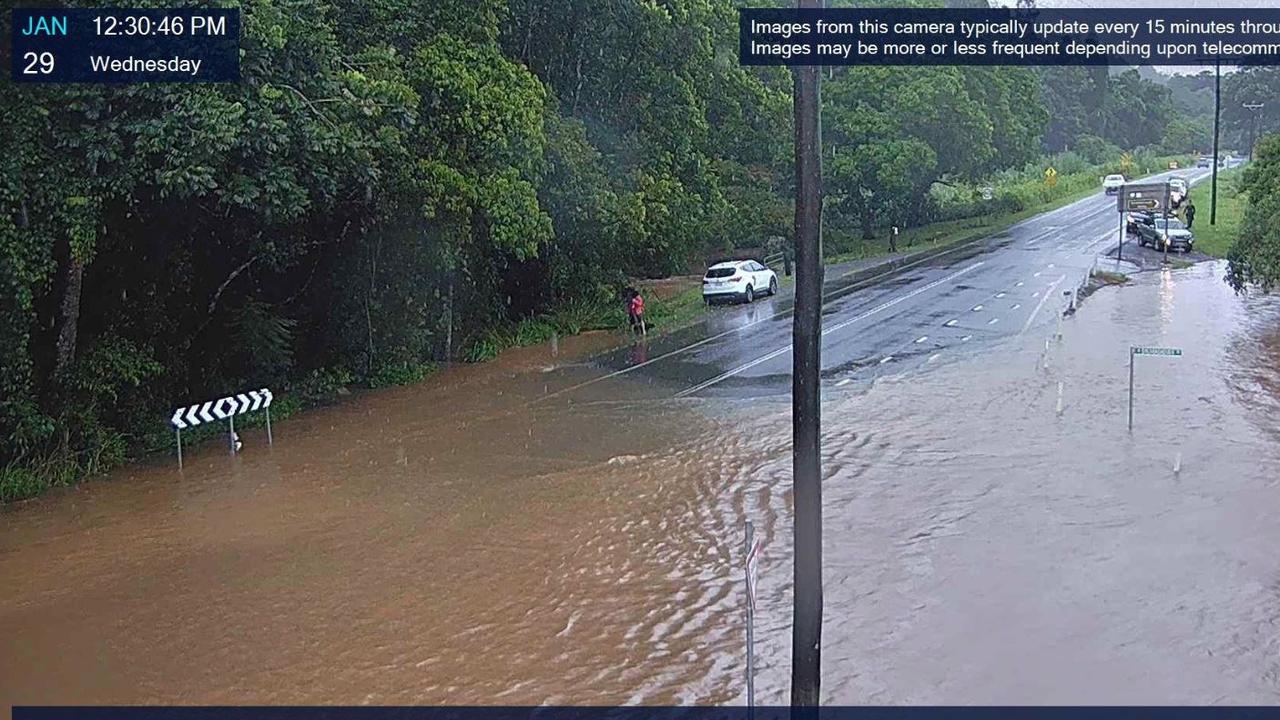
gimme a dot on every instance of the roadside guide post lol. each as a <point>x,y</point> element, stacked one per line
<point>1135,351</point>
<point>753,560</point>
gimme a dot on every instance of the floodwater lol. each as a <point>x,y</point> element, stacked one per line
<point>456,543</point>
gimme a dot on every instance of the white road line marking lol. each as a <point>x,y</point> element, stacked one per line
<point>1035,294</point>
<point>844,382</point>
<point>999,294</point>
<point>1016,306</point>
<point>950,323</point>
<point>977,308</point>
<point>1050,264</point>
<point>993,321</point>
<point>966,338</point>
<point>933,357</point>
<point>921,339</point>
<point>890,303</point>
<point>826,331</point>
<point>1019,284</point>
<point>1036,275</point>
<point>886,359</point>
<point>1042,301</point>
<point>735,371</point>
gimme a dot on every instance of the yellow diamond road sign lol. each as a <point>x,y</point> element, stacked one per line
<point>1051,177</point>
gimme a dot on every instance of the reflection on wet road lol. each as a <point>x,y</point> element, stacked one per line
<point>468,541</point>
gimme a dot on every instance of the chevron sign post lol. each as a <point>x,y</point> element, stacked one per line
<point>226,408</point>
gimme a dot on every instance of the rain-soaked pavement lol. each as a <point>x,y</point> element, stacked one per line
<point>483,539</point>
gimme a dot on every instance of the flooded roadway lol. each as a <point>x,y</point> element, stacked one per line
<point>458,543</point>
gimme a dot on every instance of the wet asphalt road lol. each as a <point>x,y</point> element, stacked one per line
<point>965,300</point>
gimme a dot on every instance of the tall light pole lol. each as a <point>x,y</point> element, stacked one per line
<point>1253,125</point>
<point>806,362</point>
<point>1217,120</point>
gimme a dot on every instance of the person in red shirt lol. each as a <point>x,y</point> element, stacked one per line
<point>635,311</point>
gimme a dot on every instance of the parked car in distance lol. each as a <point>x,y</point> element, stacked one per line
<point>1204,162</point>
<point>1113,183</point>
<point>1153,233</point>
<point>1177,190</point>
<point>743,280</point>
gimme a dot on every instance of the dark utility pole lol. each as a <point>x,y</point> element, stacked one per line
<point>1253,126</point>
<point>806,346</point>
<point>1217,119</point>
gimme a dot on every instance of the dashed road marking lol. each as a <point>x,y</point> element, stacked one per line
<point>844,382</point>
<point>826,331</point>
<point>1035,312</point>
<point>921,339</point>
<point>1036,275</point>
<point>966,338</point>
<point>933,357</point>
<point>1016,306</point>
<point>999,294</point>
<point>993,321</point>
<point>950,323</point>
<point>886,359</point>
<point>1019,284</point>
<point>977,308</point>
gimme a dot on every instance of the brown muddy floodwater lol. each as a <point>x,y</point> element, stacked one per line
<point>451,543</point>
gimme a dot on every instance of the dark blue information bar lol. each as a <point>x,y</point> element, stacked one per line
<point>919,36</point>
<point>120,45</point>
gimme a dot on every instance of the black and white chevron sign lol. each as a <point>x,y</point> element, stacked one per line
<point>214,410</point>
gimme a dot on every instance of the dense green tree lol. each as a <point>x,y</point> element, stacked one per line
<point>1254,258</point>
<point>1253,86</point>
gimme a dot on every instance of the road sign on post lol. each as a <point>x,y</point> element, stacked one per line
<point>1147,197</point>
<point>1167,352</point>
<point>1050,177</point>
<point>225,408</point>
<point>1135,351</point>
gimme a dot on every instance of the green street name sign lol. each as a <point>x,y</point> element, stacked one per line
<point>1173,352</point>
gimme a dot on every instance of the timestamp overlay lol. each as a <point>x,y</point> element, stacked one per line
<point>122,45</point>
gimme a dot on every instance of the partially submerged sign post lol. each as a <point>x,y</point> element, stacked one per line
<point>1135,351</point>
<point>222,409</point>
<point>754,547</point>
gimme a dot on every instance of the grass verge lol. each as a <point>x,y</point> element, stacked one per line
<point>1216,239</point>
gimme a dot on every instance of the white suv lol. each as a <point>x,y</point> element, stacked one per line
<point>739,280</point>
<point>1113,183</point>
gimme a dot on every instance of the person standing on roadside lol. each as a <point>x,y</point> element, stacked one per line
<point>636,310</point>
<point>893,239</point>
<point>1190,212</point>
